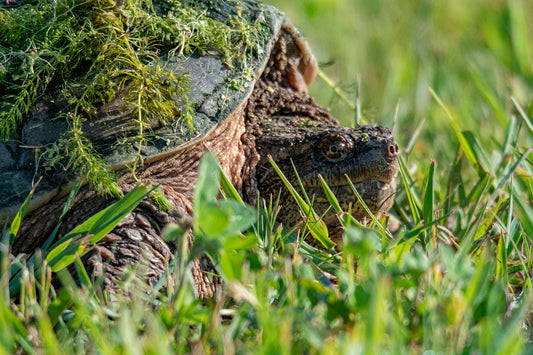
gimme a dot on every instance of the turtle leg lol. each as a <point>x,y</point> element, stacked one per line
<point>203,273</point>
<point>134,242</point>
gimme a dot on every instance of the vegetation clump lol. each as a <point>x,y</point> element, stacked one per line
<point>87,52</point>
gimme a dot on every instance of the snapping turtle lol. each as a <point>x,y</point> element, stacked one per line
<point>271,114</point>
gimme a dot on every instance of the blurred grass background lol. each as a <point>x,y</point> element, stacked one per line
<point>475,55</point>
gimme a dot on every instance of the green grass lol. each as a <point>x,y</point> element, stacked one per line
<point>452,278</point>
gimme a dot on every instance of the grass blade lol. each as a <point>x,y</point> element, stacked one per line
<point>15,225</point>
<point>92,230</point>
<point>317,227</point>
<point>66,207</point>
<point>414,204</point>
<point>429,195</point>
<point>524,115</point>
<point>463,142</point>
<point>369,213</point>
<point>329,194</point>
<point>489,96</point>
<point>520,35</point>
<point>227,187</point>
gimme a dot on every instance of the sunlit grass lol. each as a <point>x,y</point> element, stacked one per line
<point>453,280</point>
<point>451,274</point>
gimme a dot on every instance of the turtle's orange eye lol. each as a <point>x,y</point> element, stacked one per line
<point>336,147</point>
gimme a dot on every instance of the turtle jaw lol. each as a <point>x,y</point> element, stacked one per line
<point>377,195</point>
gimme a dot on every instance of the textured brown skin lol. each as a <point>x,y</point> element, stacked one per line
<point>300,134</point>
<point>278,119</point>
<point>367,155</point>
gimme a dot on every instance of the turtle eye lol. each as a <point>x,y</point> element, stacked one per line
<point>335,147</point>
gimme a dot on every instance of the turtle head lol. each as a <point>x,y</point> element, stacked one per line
<point>366,156</point>
<point>364,153</point>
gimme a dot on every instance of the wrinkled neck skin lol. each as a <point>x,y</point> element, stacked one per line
<point>366,155</point>
<point>284,122</point>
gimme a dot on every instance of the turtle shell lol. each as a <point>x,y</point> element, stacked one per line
<point>211,96</point>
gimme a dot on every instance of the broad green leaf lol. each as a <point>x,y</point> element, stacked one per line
<point>238,242</point>
<point>241,216</point>
<point>206,189</point>
<point>218,218</point>
<point>231,264</point>
<point>114,214</point>
<point>360,242</point>
<point>81,238</point>
<point>60,304</point>
<point>403,247</point>
<point>224,218</point>
<point>63,255</point>
<point>212,220</point>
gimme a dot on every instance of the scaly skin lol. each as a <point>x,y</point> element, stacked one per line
<point>367,155</point>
